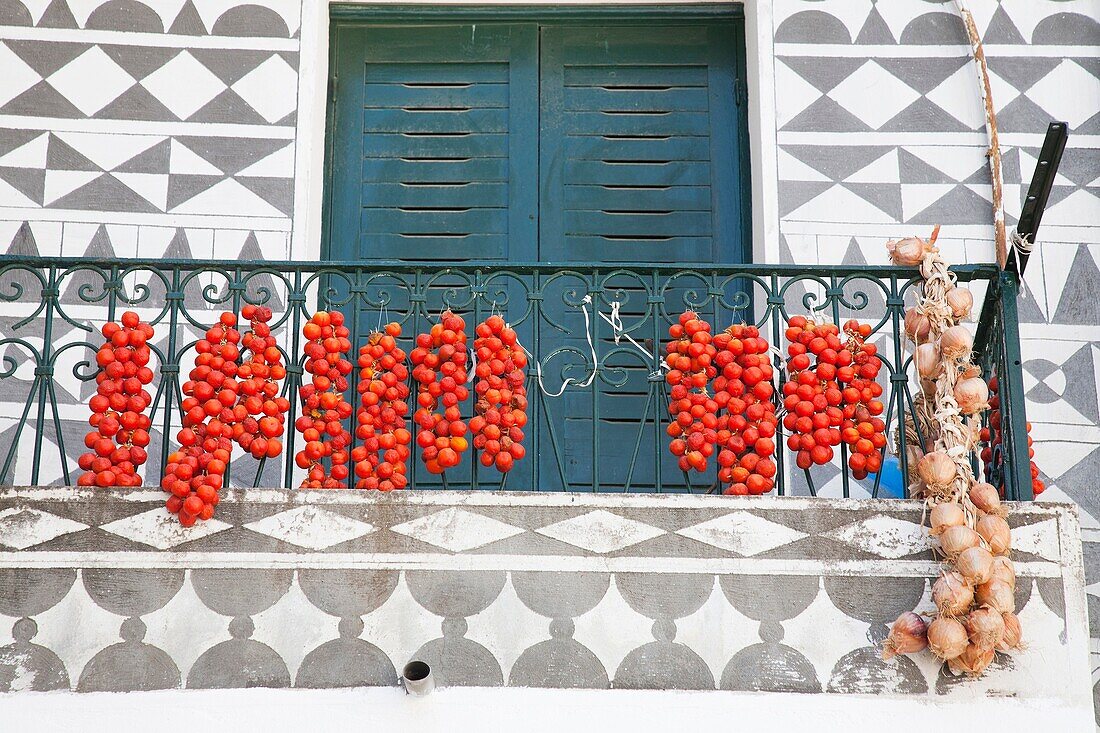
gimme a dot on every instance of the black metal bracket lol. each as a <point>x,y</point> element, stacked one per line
<point>1050,156</point>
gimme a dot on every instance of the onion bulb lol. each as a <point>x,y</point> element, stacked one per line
<point>946,515</point>
<point>972,395</point>
<point>996,594</point>
<point>947,638</point>
<point>907,252</point>
<point>908,635</point>
<point>955,540</point>
<point>987,498</point>
<point>952,594</point>
<point>994,530</point>
<point>975,564</point>
<point>913,454</point>
<point>1012,634</point>
<point>928,361</point>
<point>1003,569</point>
<point>956,343</point>
<point>972,661</point>
<point>917,325</point>
<point>936,469</point>
<point>986,628</point>
<point>961,302</point>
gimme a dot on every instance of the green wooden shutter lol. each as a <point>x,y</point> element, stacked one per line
<point>432,148</point>
<point>638,163</point>
<point>638,153</point>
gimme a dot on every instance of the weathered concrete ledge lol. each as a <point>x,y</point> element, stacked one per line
<point>102,590</point>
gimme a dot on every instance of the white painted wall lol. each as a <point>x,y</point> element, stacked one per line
<point>486,710</point>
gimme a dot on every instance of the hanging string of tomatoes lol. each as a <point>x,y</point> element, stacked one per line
<point>381,461</point>
<point>324,408</point>
<point>259,389</point>
<point>861,430</point>
<point>195,473</point>
<point>811,395</point>
<point>747,426</point>
<point>501,407</point>
<point>120,426</point>
<point>439,367</point>
<point>690,360</point>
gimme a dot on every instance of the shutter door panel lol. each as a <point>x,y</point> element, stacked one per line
<point>519,142</point>
<point>443,118</point>
<point>435,157</point>
<point>632,119</point>
<point>637,124</point>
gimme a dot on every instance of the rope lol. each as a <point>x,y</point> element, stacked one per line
<point>1021,244</point>
<point>616,323</point>
<point>585,302</point>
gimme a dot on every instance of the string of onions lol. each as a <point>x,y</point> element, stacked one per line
<point>974,596</point>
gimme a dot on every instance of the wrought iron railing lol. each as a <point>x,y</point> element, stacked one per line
<point>607,435</point>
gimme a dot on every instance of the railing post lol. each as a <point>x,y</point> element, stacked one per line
<point>1010,389</point>
<point>170,371</point>
<point>43,375</point>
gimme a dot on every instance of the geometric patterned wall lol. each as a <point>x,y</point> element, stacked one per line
<point>102,590</point>
<point>170,128</point>
<point>880,133</point>
<point>145,118</point>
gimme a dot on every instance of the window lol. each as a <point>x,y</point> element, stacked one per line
<point>559,142</point>
<point>597,138</point>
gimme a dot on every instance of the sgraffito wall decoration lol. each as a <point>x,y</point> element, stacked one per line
<point>171,129</point>
<point>104,591</point>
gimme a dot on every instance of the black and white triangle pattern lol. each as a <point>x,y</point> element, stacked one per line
<point>261,18</point>
<point>79,80</point>
<point>106,171</point>
<point>915,98</point>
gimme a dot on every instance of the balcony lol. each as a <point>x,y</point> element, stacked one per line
<point>514,589</point>
<point>598,409</point>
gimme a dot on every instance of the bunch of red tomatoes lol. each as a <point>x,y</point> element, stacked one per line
<point>501,407</point>
<point>381,461</point>
<point>747,426</point>
<point>862,429</point>
<point>831,396</point>
<point>196,472</point>
<point>739,419</point>
<point>439,366</point>
<point>259,396</point>
<point>690,360</point>
<point>120,426</point>
<point>324,408</point>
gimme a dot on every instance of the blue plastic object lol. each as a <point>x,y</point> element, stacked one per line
<point>892,485</point>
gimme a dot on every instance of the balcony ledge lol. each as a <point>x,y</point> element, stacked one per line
<point>518,589</point>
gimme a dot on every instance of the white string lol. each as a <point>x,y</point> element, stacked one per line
<point>616,323</point>
<point>1023,246</point>
<point>381,309</point>
<point>568,380</point>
